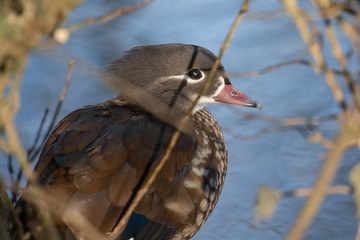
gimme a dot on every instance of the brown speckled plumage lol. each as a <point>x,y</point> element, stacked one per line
<point>99,156</point>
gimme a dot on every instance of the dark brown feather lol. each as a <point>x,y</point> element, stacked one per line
<point>107,146</point>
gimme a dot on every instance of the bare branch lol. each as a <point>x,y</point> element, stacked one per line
<point>347,137</point>
<point>306,192</point>
<point>32,148</point>
<point>280,65</point>
<point>315,50</point>
<point>58,106</point>
<point>61,35</point>
<point>339,56</point>
<point>109,16</point>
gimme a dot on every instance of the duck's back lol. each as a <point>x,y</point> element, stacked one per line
<point>99,156</point>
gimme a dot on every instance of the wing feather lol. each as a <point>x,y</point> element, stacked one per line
<point>107,148</point>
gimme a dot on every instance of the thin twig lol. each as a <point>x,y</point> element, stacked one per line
<point>345,139</point>
<point>314,28</point>
<point>13,146</point>
<point>10,168</point>
<point>51,126</point>
<point>315,50</point>
<point>306,192</point>
<point>351,32</point>
<point>339,56</point>
<point>58,106</point>
<point>121,226</point>
<point>334,11</point>
<point>14,182</point>
<point>291,121</point>
<point>109,16</point>
<point>258,134</point>
<point>33,147</point>
<point>280,65</point>
<point>306,126</point>
<point>94,20</point>
<point>267,15</point>
<point>12,215</point>
<point>34,186</point>
<point>7,113</point>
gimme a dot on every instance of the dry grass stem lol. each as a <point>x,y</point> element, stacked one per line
<point>350,130</point>
<point>347,137</point>
<point>339,56</point>
<point>315,49</point>
<point>37,194</point>
<point>350,31</point>
<point>8,110</point>
<point>358,231</point>
<point>336,18</point>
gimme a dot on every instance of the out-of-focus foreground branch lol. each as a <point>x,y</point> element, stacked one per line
<point>330,20</point>
<point>349,133</point>
<point>23,24</point>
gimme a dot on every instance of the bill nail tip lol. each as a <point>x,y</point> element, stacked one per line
<point>258,105</point>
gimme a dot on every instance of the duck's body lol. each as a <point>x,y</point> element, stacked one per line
<point>99,156</point>
<point>101,152</point>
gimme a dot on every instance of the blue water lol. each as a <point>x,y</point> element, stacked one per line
<point>283,160</point>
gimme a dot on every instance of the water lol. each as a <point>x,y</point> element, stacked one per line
<point>283,160</point>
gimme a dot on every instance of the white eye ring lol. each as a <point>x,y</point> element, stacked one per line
<point>195,74</point>
<point>200,75</point>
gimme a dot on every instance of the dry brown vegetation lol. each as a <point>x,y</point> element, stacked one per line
<point>25,24</point>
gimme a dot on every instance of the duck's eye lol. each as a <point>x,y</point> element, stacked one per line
<point>195,74</point>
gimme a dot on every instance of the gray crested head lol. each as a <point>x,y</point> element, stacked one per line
<point>166,79</point>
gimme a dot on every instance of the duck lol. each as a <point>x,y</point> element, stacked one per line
<point>99,156</point>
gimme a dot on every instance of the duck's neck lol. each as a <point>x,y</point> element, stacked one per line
<point>171,116</point>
